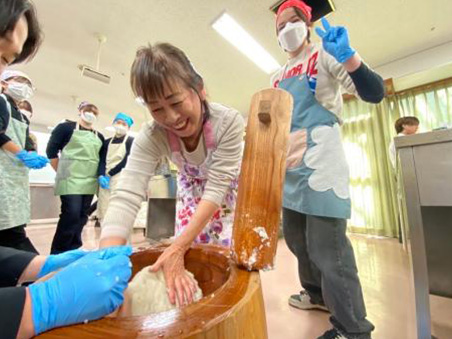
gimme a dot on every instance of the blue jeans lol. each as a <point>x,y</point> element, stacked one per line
<point>73,217</point>
<point>327,269</point>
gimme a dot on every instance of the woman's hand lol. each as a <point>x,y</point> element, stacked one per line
<point>335,41</point>
<point>179,284</point>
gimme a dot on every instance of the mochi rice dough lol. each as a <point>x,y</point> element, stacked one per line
<point>147,293</point>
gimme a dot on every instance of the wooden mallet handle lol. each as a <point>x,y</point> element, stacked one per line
<point>259,201</point>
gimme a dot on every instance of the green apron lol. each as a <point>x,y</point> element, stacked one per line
<point>14,182</point>
<point>78,164</point>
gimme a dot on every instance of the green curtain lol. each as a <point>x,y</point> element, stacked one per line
<point>367,132</point>
<point>432,105</point>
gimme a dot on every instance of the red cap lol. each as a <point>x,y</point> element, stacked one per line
<point>298,4</point>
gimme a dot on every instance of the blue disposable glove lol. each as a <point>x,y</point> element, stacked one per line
<point>335,41</point>
<point>88,289</point>
<point>55,262</point>
<point>32,159</point>
<point>104,182</point>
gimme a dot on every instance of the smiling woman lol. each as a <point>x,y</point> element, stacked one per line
<point>168,83</point>
<point>203,139</point>
<point>16,43</point>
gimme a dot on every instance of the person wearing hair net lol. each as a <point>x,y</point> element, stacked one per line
<point>113,159</point>
<point>16,158</point>
<point>316,189</point>
<point>74,153</point>
<point>77,292</point>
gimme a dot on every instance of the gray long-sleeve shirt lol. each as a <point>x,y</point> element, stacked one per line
<point>151,145</point>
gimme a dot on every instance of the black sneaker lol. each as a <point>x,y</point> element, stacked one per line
<point>333,334</point>
<point>302,301</point>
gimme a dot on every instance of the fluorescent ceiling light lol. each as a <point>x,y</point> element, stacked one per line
<point>241,39</point>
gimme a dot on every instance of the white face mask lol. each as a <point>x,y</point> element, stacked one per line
<point>120,130</point>
<point>292,36</point>
<point>88,117</point>
<point>19,91</point>
<point>26,113</point>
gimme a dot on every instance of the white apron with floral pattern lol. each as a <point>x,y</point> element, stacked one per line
<point>191,182</point>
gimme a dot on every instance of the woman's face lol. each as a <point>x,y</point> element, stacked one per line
<point>19,80</point>
<point>121,122</point>
<point>179,110</point>
<point>410,129</point>
<point>12,43</point>
<point>93,110</point>
<point>288,15</point>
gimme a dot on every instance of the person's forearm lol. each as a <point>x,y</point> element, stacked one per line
<point>353,63</point>
<point>54,163</point>
<point>112,241</point>
<point>11,147</point>
<point>204,212</point>
<point>369,85</point>
<point>26,328</point>
<point>34,267</point>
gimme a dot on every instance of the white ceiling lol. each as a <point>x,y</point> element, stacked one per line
<point>382,31</point>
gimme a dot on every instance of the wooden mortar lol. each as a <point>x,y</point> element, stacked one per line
<point>232,307</point>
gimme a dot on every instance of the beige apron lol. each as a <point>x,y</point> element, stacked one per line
<point>115,154</point>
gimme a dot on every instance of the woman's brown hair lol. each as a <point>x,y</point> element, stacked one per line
<point>410,121</point>
<point>160,65</point>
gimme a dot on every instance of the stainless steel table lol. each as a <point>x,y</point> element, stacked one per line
<point>426,166</point>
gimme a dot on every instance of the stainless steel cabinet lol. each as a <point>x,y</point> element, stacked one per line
<point>426,166</point>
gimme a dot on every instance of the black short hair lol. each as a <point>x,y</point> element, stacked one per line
<point>10,13</point>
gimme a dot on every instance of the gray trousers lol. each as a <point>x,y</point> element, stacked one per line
<point>327,269</point>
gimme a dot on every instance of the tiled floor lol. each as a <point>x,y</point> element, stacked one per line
<point>385,276</point>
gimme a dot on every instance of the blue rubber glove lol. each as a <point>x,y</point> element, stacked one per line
<point>104,182</point>
<point>55,262</point>
<point>88,289</point>
<point>335,41</point>
<point>32,159</point>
